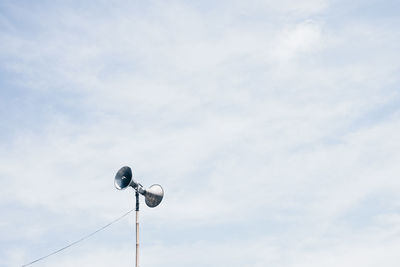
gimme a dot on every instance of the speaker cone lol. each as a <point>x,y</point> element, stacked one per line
<point>123,178</point>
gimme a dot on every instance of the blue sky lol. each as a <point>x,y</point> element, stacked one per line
<point>273,127</point>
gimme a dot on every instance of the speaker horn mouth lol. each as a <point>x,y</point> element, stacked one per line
<point>123,178</point>
<point>153,195</point>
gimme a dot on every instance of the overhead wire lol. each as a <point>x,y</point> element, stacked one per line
<point>79,240</point>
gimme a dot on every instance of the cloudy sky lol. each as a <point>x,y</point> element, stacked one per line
<point>273,126</point>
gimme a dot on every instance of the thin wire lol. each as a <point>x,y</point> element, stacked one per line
<point>79,240</point>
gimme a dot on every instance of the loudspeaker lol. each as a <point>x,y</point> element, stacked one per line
<point>123,178</point>
<point>153,195</point>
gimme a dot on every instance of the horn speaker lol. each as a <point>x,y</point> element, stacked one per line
<point>153,195</point>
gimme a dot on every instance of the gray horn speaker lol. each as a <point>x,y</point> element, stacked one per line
<point>153,195</point>
<point>123,178</point>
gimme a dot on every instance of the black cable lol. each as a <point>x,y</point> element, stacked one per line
<point>79,240</point>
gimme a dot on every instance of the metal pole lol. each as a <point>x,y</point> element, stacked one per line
<point>137,228</point>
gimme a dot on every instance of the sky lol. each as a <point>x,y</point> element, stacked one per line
<point>273,127</point>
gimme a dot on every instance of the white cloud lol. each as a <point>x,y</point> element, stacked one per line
<point>267,113</point>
